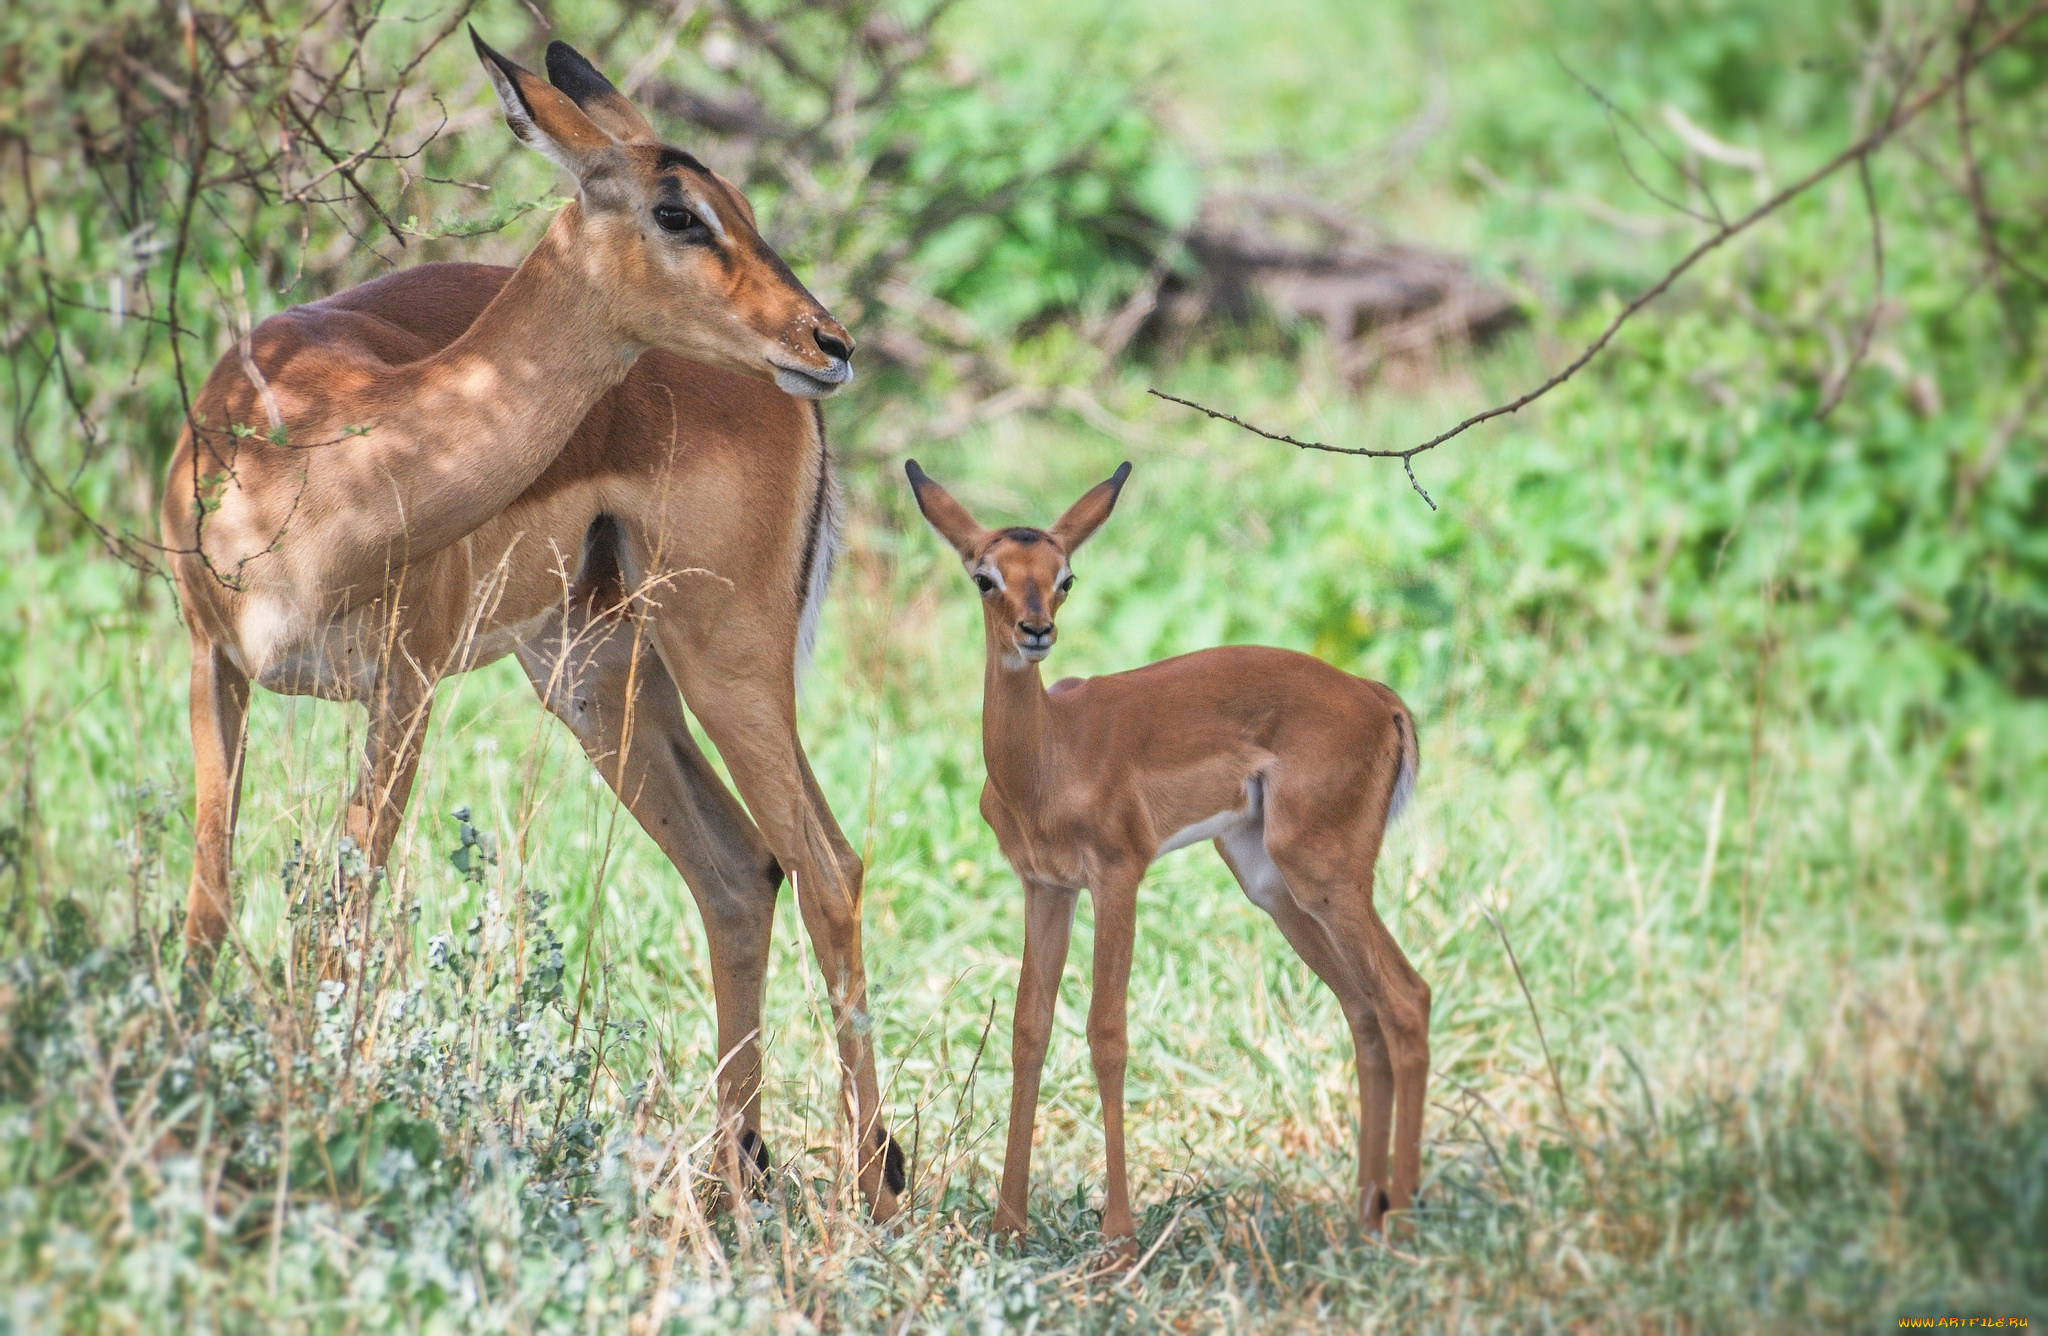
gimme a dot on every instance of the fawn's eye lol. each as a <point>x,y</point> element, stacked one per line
<point>672,219</point>
<point>1067,585</point>
<point>983,583</point>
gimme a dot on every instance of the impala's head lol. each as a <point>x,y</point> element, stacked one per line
<point>1023,574</point>
<point>671,243</point>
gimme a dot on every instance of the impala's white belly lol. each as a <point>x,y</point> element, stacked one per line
<point>1242,832</point>
<point>1210,828</point>
<point>342,659</point>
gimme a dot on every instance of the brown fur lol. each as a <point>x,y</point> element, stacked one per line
<point>1289,764</point>
<point>637,529</point>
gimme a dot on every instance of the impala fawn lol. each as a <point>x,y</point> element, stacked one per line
<point>1292,767</point>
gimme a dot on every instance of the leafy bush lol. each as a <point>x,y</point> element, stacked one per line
<point>421,1140</point>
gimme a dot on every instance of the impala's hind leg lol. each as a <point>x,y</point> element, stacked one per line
<point>400,702</point>
<point>220,709</point>
<point>1244,851</point>
<point>1325,844</point>
<point>595,672</point>
<point>400,706</point>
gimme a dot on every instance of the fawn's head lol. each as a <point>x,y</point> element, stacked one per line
<point>1022,573</point>
<point>670,242</point>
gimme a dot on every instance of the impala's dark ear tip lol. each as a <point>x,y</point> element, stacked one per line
<point>506,66</point>
<point>917,475</point>
<point>572,72</point>
<point>1123,471</point>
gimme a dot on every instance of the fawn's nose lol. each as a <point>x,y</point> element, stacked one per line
<point>1035,630</point>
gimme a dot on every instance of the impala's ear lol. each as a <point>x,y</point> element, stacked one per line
<point>1085,516</point>
<point>544,117</point>
<point>945,514</point>
<point>595,94</point>
<point>746,206</point>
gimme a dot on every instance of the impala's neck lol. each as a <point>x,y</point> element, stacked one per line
<point>488,413</point>
<point>1017,730</point>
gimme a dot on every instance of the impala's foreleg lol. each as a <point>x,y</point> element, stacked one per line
<point>1048,926</point>
<point>610,688</point>
<point>749,710</point>
<point>1116,911</point>
<point>220,709</point>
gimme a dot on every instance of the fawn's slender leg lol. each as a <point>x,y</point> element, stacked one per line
<point>1400,1000</point>
<point>219,708</point>
<point>602,679</point>
<point>1116,912</point>
<point>1246,856</point>
<point>1048,927</point>
<point>1328,867</point>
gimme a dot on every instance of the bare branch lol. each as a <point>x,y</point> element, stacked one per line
<point>1841,385</point>
<point>1407,457</point>
<point>1903,112</point>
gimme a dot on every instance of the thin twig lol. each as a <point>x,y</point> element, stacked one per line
<point>1407,457</point>
<point>1841,385</point>
<point>1870,143</point>
<point>1157,1244</point>
<point>1563,1106</point>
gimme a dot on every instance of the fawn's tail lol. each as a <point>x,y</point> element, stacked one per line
<point>1411,762</point>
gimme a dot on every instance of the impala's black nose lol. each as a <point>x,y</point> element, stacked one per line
<point>1034,639</point>
<point>832,347</point>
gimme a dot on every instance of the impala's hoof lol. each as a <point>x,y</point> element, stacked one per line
<point>895,1173</point>
<point>754,1161</point>
<point>887,1197</point>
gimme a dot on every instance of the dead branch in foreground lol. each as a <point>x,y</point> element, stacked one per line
<point>1902,113</point>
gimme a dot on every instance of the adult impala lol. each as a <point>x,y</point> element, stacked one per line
<point>1292,767</point>
<point>456,462</point>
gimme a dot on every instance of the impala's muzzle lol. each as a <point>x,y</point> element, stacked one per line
<point>1034,639</point>
<point>813,382</point>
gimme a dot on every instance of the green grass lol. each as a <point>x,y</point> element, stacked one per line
<point>1788,990</point>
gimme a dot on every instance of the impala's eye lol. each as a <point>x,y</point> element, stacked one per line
<point>983,583</point>
<point>672,219</point>
<point>1067,585</point>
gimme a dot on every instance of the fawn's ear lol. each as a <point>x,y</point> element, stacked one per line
<point>1085,516</point>
<point>945,514</point>
<point>596,95</point>
<point>543,116</point>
